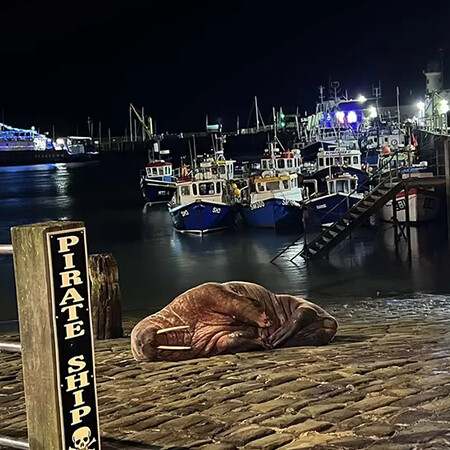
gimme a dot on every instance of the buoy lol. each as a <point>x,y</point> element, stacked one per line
<point>386,150</point>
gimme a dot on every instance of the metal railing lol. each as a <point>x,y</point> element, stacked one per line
<point>6,441</point>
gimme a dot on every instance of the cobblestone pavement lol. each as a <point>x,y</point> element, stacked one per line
<point>379,385</point>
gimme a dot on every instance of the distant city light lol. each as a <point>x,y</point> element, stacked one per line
<point>361,98</point>
<point>352,117</point>
<point>373,112</point>
<point>340,116</point>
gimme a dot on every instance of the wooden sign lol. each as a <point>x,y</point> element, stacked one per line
<point>74,344</point>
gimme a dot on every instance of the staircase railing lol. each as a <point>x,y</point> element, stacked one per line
<point>379,173</point>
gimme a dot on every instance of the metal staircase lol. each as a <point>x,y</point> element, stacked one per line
<point>386,190</point>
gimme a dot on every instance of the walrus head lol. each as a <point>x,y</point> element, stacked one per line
<point>143,340</point>
<point>253,313</point>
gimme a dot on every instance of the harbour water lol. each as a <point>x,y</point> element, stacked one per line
<point>156,263</point>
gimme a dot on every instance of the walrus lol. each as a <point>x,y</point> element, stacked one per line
<point>219,318</point>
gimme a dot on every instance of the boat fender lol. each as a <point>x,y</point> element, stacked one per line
<point>394,142</point>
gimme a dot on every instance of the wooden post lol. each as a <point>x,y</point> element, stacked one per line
<point>106,298</point>
<point>50,264</point>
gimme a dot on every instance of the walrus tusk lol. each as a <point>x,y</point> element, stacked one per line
<point>172,347</point>
<point>166,330</point>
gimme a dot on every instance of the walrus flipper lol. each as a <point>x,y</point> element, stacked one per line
<point>300,319</point>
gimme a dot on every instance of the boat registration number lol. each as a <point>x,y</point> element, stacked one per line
<point>184,213</point>
<point>216,210</point>
<point>257,205</point>
<point>323,205</point>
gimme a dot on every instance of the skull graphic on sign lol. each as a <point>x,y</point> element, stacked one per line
<point>81,439</point>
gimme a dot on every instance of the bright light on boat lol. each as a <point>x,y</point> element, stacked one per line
<point>373,112</point>
<point>443,107</point>
<point>361,98</point>
<point>420,106</point>
<point>352,117</point>
<point>340,115</point>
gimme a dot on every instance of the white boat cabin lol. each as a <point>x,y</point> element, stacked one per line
<point>211,169</point>
<point>275,183</point>
<point>206,190</point>
<point>342,184</point>
<point>273,159</point>
<point>158,169</point>
<point>338,156</point>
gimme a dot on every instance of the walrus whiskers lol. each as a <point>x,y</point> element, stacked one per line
<point>166,330</point>
<point>172,347</point>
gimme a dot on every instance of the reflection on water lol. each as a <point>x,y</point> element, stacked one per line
<point>156,263</point>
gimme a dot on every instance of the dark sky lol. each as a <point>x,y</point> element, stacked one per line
<point>63,61</point>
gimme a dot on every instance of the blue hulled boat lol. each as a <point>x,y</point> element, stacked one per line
<point>158,184</point>
<point>273,199</point>
<point>204,200</point>
<point>326,208</point>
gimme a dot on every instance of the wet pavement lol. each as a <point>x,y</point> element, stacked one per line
<point>383,383</point>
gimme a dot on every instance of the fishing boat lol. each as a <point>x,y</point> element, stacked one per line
<point>424,203</point>
<point>325,208</point>
<point>273,198</point>
<point>337,185</point>
<point>205,200</point>
<point>157,182</point>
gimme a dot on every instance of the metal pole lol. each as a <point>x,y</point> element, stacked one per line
<point>408,231</point>
<point>13,442</point>
<point>6,249</point>
<point>143,128</point>
<point>447,184</point>
<point>10,347</point>
<point>109,138</point>
<point>398,106</point>
<point>257,113</point>
<point>131,127</point>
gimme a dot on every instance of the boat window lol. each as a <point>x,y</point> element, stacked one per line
<point>342,186</point>
<point>218,187</point>
<point>331,187</point>
<point>167,170</point>
<point>273,186</point>
<point>328,162</point>
<point>338,160</point>
<point>347,160</point>
<point>269,164</point>
<point>320,161</point>
<point>155,171</point>
<point>222,170</point>
<point>194,189</point>
<point>206,188</point>
<point>185,190</point>
<point>290,162</point>
<point>294,182</point>
<point>264,164</point>
<point>286,184</point>
<point>160,170</point>
<point>261,187</point>
<point>355,160</point>
<point>281,163</point>
<point>353,185</point>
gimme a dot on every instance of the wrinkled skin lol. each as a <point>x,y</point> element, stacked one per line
<point>228,318</point>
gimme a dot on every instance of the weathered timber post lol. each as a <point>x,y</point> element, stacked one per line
<point>53,298</point>
<point>106,298</point>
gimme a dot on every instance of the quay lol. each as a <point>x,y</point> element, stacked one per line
<point>383,383</point>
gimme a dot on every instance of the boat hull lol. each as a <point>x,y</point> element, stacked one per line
<point>273,213</point>
<point>203,217</point>
<point>157,191</point>
<point>25,157</point>
<point>328,209</point>
<point>423,206</point>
